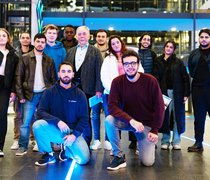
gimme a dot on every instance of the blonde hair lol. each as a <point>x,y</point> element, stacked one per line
<point>9,40</point>
<point>50,26</point>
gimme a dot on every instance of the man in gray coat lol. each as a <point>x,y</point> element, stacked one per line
<point>87,62</point>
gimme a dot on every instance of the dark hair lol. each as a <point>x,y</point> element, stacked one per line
<point>142,36</point>
<point>70,26</point>
<point>102,30</point>
<point>123,49</point>
<point>205,30</point>
<point>172,42</point>
<point>39,36</point>
<point>129,53</point>
<point>65,63</point>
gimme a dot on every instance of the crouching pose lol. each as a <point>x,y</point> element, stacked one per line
<point>135,104</point>
<point>63,115</point>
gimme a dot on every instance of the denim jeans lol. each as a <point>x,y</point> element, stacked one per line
<point>176,139</point>
<point>145,147</point>
<point>46,133</point>
<point>96,121</point>
<point>29,108</point>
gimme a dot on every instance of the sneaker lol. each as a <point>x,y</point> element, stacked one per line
<point>96,145</point>
<point>1,153</point>
<point>197,147</point>
<point>117,163</point>
<point>35,148</point>
<point>107,145</point>
<point>164,146</point>
<point>15,145</point>
<point>133,145</point>
<point>46,158</point>
<point>21,151</point>
<point>176,147</point>
<point>62,155</point>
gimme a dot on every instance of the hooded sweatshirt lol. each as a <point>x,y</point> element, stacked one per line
<point>56,52</point>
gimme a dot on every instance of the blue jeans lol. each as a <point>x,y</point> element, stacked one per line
<point>96,121</point>
<point>145,147</point>
<point>176,139</point>
<point>46,133</point>
<point>29,108</point>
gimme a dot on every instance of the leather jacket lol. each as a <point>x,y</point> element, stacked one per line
<point>25,74</point>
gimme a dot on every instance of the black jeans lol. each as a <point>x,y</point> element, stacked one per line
<point>201,105</point>
<point>4,103</point>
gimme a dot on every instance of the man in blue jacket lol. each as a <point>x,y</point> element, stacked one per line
<point>63,114</point>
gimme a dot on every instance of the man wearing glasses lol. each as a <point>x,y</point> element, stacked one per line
<point>135,104</point>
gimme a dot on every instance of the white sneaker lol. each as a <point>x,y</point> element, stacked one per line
<point>1,153</point>
<point>15,145</point>
<point>176,147</point>
<point>96,145</point>
<point>165,146</point>
<point>107,145</point>
<point>35,148</point>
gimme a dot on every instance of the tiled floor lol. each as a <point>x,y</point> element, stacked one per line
<point>169,165</point>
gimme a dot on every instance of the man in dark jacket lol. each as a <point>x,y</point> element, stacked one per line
<point>35,73</point>
<point>63,111</point>
<point>87,61</point>
<point>199,67</point>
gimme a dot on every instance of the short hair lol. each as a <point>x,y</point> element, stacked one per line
<point>172,42</point>
<point>110,46</point>
<point>50,26</point>
<point>65,63</point>
<point>130,52</point>
<point>25,32</point>
<point>39,36</point>
<point>69,26</point>
<point>205,30</point>
<point>83,27</point>
<point>142,36</point>
<point>102,30</point>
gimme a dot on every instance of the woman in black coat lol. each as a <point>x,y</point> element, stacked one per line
<point>174,83</point>
<point>8,63</point>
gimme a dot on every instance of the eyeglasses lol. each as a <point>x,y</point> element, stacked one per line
<point>133,64</point>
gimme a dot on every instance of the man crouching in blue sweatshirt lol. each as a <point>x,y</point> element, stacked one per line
<point>63,115</point>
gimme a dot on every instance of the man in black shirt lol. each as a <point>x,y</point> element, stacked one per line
<point>199,67</point>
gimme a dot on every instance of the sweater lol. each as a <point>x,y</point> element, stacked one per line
<point>68,105</point>
<point>141,100</point>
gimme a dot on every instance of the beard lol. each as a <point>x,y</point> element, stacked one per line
<point>39,50</point>
<point>204,46</point>
<point>131,76</point>
<point>65,80</point>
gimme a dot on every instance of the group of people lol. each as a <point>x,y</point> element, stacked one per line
<point>51,82</point>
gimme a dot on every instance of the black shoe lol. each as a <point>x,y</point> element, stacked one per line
<point>197,147</point>
<point>62,155</point>
<point>1,153</point>
<point>46,159</point>
<point>117,163</point>
<point>133,145</point>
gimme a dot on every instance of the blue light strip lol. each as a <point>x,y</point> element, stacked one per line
<point>71,169</point>
<point>191,139</point>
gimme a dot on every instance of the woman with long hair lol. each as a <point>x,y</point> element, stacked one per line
<point>8,63</point>
<point>174,83</point>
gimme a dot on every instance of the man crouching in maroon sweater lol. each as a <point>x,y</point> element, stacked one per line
<point>135,104</point>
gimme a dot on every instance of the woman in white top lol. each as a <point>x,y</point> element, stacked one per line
<point>8,63</point>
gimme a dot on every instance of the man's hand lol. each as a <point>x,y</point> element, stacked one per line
<point>69,139</point>
<point>22,101</point>
<point>153,137</point>
<point>98,94</point>
<point>63,127</point>
<point>138,126</point>
<point>185,99</point>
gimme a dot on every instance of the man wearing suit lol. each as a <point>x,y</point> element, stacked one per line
<point>87,62</point>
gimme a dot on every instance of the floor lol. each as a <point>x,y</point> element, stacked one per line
<point>173,165</point>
